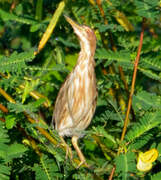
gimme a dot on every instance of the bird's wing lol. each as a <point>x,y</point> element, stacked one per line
<point>80,98</point>
<point>83,124</point>
<point>61,116</point>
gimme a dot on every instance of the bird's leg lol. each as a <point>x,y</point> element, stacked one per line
<point>67,148</point>
<point>79,152</point>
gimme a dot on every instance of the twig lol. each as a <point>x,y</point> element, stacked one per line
<point>123,79</point>
<point>7,96</point>
<point>112,173</point>
<point>2,119</point>
<point>41,130</point>
<point>3,108</point>
<point>133,79</point>
<point>132,91</point>
<point>101,10</point>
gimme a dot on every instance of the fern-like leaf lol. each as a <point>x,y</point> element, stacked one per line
<point>15,150</point>
<point>122,57</point>
<point>146,101</point>
<point>157,176</point>
<point>140,142</point>
<point>48,169</point>
<point>147,122</point>
<point>4,139</point>
<point>6,16</point>
<point>125,163</point>
<point>150,74</point>
<point>16,62</point>
<point>147,8</point>
<point>151,62</point>
<point>30,107</point>
<point>4,172</point>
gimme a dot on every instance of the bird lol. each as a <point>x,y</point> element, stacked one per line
<point>76,100</point>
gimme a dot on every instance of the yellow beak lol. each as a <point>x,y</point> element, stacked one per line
<point>73,24</point>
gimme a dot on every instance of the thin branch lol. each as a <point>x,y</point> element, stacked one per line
<point>99,4</point>
<point>112,173</point>
<point>7,96</point>
<point>2,119</point>
<point>133,79</point>
<point>3,108</point>
<point>123,79</point>
<point>132,90</point>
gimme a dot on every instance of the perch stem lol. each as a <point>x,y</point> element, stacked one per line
<point>131,92</point>
<point>133,80</point>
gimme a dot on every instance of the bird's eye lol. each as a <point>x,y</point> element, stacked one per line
<point>88,31</point>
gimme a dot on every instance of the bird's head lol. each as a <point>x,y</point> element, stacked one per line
<point>85,34</point>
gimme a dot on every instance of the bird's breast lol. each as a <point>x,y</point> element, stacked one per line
<point>84,86</point>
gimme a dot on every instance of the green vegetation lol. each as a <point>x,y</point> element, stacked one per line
<point>31,74</point>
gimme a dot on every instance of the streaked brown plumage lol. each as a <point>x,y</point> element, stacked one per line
<point>76,100</point>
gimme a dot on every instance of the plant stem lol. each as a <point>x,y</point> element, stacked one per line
<point>133,80</point>
<point>3,108</point>
<point>132,91</point>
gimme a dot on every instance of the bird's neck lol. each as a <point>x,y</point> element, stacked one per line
<point>86,53</point>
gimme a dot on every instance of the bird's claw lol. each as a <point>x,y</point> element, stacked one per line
<point>68,153</point>
<point>83,163</point>
<point>67,149</point>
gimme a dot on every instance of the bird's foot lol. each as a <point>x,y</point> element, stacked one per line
<point>79,152</point>
<point>68,152</point>
<point>83,163</point>
<point>67,149</point>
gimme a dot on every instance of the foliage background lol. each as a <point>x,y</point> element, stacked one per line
<point>29,83</point>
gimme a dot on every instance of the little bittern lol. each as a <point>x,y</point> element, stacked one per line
<point>76,100</point>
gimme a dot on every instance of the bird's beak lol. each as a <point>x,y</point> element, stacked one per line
<point>73,24</point>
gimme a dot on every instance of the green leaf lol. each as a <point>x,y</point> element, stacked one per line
<point>30,107</point>
<point>146,123</point>
<point>156,176</point>
<point>6,16</point>
<point>10,121</point>
<point>48,169</point>
<point>89,145</point>
<point>150,74</point>
<point>146,101</point>
<point>4,138</point>
<point>147,8</point>
<point>125,164</point>
<point>15,150</point>
<point>100,131</point>
<point>16,62</point>
<point>5,172</point>
<point>118,56</point>
<point>121,57</point>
